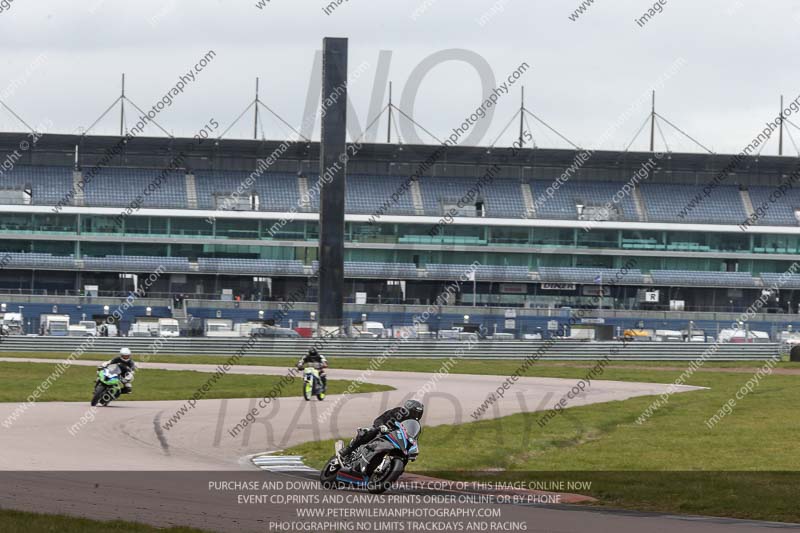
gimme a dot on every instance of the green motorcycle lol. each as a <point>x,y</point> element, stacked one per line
<point>109,384</point>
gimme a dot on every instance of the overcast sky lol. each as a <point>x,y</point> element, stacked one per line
<point>61,64</point>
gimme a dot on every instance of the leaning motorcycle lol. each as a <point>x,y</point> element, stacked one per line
<point>376,464</point>
<point>109,384</point>
<point>312,384</point>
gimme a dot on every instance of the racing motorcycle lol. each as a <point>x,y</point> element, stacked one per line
<point>109,383</point>
<point>312,384</point>
<point>376,464</point>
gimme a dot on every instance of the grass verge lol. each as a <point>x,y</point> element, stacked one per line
<point>22,522</point>
<point>18,380</point>
<point>464,366</point>
<point>671,463</point>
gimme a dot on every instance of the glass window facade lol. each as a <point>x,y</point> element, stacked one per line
<point>416,243</point>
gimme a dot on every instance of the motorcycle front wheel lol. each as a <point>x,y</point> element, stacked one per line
<point>320,391</point>
<point>378,484</point>
<point>99,390</point>
<point>329,472</point>
<point>307,391</point>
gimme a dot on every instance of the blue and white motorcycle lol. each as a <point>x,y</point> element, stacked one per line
<point>376,464</point>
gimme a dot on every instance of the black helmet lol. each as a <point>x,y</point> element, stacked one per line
<point>313,351</point>
<point>414,409</point>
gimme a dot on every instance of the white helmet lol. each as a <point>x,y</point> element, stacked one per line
<point>125,353</point>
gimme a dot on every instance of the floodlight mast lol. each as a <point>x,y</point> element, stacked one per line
<point>122,108</point>
<point>255,126</point>
<point>333,168</point>
<point>780,133</point>
<point>653,122</point>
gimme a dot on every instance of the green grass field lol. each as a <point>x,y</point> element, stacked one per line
<point>464,366</point>
<point>20,522</point>
<point>671,463</point>
<point>18,380</point>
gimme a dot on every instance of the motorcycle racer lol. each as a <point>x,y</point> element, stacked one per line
<point>318,360</point>
<point>410,410</point>
<point>126,364</point>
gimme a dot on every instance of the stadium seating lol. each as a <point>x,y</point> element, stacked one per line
<point>695,278</point>
<point>779,212</point>
<point>39,261</point>
<point>119,187</point>
<point>366,194</point>
<point>367,269</point>
<point>788,281</point>
<point>276,191</point>
<point>281,192</point>
<point>137,263</point>
<point>587,193</point>
<point>594,276</point>
<point>381,270</point>
<point>277,267</point>
<point>49,184</point>
<point>666,202</point>
<point>501,197</point>
<point>482,272</point>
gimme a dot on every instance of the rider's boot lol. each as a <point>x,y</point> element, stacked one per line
<point>339,447</point>
<point>344,452</point>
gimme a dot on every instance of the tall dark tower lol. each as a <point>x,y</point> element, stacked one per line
<point>332,170</point>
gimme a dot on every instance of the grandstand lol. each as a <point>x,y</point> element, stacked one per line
<point>207,233</point>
